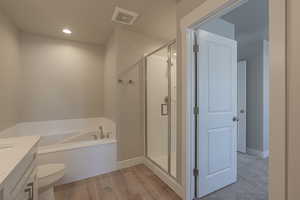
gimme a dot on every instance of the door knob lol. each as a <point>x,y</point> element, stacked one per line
<point>235,119</point>
<point>242,111</point>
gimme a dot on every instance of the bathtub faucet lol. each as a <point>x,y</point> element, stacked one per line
<point>96,137</point>
<point>101,132</point>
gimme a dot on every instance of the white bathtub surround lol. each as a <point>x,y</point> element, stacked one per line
<point>64,126</point>
<point>57,130</point>
<point>82,159</point>
<point>74,145</point>
<point>72,142</point>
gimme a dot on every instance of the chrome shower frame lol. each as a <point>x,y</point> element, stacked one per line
<point>169,62</point>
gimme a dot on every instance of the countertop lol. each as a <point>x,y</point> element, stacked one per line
<point>11,157</point>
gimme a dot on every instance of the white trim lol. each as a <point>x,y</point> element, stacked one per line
<point>255,152</point>
<point>206,11</point>
<point>130,162</point>
<point>187,127</point>
<point>171,182</point>
<point>83,162</point>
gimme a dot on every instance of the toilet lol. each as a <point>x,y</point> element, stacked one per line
<point>48,175</point>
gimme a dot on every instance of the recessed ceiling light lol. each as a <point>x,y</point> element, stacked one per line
<point>67,31</point>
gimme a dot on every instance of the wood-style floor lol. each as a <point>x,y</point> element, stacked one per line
<point>134,183</point>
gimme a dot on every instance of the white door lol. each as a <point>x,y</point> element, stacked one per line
<point>242,102</point>
<point>217,86</point>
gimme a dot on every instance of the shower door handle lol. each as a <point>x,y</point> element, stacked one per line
<point>235,119</point>
<point>164,109</point>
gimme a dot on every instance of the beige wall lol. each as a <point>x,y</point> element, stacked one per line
<point>60,79</point>
<point>131,48</point>
<point>110,78</point>
<point>123,102</point>
<point>9,73</point>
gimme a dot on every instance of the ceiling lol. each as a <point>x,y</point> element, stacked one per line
<point>90,20</point>
<point>250,18</point>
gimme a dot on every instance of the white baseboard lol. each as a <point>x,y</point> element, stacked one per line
<point>261,154</point>
<point>130,162</point>
<point>171,182</point>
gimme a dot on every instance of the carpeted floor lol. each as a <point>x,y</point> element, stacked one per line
<point>252,181</point>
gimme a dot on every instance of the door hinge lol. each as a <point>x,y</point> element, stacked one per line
<point>195,172</point>
<point>196,110</point>
<point>196,48</point>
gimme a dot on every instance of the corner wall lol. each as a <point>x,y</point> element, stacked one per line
<point>124,101</point>
<point>9,73</point>
<point>132,47</point>
<point>257,95</point>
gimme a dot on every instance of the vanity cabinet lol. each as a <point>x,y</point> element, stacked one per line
<point>28,190</point>
<point>21,184</point>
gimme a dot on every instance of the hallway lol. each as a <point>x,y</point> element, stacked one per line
<point>252,181</point>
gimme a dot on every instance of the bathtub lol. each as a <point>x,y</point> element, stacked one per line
<point>75,143</point>
<point>82,159</point>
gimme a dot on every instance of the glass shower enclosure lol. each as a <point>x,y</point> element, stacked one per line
<point>160,105</point>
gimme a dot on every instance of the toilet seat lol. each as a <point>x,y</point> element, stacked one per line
<point>49,174</point>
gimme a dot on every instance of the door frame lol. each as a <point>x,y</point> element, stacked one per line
<point>278,132</point>
<point>245,109</point>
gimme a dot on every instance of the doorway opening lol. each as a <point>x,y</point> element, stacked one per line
<point>231,104</point>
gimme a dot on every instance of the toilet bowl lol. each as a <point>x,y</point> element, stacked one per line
<point>48,175</point>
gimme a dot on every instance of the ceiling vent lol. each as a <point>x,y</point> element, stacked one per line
<point>124,16</point>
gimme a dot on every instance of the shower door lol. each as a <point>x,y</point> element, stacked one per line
<point>161,109</point>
